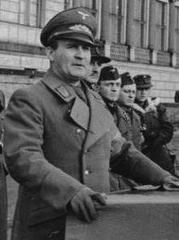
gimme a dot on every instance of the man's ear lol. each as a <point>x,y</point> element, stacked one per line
<point>50,53</point>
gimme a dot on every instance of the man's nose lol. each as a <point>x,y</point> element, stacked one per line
<point>114,88</point>
<point>80,52</point>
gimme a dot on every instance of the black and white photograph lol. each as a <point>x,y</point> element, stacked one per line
<point>89,119</point>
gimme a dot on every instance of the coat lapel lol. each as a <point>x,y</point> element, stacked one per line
<point>80,113</point>
<point>79,110</point>
<point>100,120</point>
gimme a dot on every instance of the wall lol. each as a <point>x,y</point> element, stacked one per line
<point>165,79</point>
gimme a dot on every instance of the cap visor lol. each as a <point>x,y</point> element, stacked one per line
<point>76,36</point>
<point>144,86</point>
<point>100,59</point>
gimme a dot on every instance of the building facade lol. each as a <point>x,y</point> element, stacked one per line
<point>141,36</point>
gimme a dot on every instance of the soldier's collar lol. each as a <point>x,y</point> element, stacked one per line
<point>59,87</point>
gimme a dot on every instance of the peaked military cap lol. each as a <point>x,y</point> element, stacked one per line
<point>126,79</point>
<point>97,56</point>
<point>74,23</point>
<point>109,73</point>
<point>143,81</point>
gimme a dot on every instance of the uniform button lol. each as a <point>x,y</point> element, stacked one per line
<point>86,172</point>
<point>78,130</point>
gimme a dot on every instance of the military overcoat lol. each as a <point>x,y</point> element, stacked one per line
<point>55,144</point>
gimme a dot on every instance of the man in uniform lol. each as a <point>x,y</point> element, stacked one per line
<point>97,60</point>
<point>126,101</point>
<point>157,128</point>
<point>60,139</point>
<point>111,85</point>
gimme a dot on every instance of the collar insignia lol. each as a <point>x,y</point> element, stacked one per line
<point>64,93</point>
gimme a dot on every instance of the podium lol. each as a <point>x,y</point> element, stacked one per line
<point>132,216</point>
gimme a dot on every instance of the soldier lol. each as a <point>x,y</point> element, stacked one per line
<point>59,137</point>
<point>111,84</point>
<point>97,60</point>
<point>126,101</point>
<point>157,128</point>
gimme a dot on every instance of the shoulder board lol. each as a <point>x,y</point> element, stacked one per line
<point>64,93</point>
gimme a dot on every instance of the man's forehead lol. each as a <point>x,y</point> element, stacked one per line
<point>73,42</point>
<point>143,89</point>
<point>129,86</point>
<point>112,81</point>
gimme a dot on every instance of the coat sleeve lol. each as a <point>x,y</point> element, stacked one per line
<point>129,162</point>
<point>24,155</point>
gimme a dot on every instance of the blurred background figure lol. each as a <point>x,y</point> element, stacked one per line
<point>176,97</point>
<point>97,60</point>
<point>3,189</point>
<point>109,87</point>
<point>157,129</point>
<point>132,131</point>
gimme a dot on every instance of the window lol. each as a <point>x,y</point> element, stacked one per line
<point>161,25</point>
<point>21,11</point>
<point>52,7</point>
<point>31,12</point>
<point>117,18</point>
<point>177,28</point>
<point>140,22</point>
<point>91,5</point>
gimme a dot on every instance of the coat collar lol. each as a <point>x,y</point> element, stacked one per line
<point>58,86</point>
<point>94,117</point>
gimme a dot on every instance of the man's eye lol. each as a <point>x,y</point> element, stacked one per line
<point>71,46</point>
<point>125,91</point>
<point>86,47</point>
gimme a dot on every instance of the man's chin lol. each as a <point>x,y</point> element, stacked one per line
<point>93,79</point>
<point>78,75</point>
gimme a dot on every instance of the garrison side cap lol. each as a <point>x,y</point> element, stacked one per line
<point>143,81</point>
<point>109,73</point>
<point>75,23</point>
<point>126,79</point>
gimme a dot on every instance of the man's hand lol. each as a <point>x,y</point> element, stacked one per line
<point>85,202</point>
<point>171,183</point>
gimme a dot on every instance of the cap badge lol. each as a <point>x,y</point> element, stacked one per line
<point>80,28</point>
<point>84,15</point>
<point>113,70</point>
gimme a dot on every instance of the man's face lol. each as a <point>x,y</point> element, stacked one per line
<point>127,94</point>
<point>143,94</point>
<point>94,71</point>
<point>71,59</point>
<point>110,89</point>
